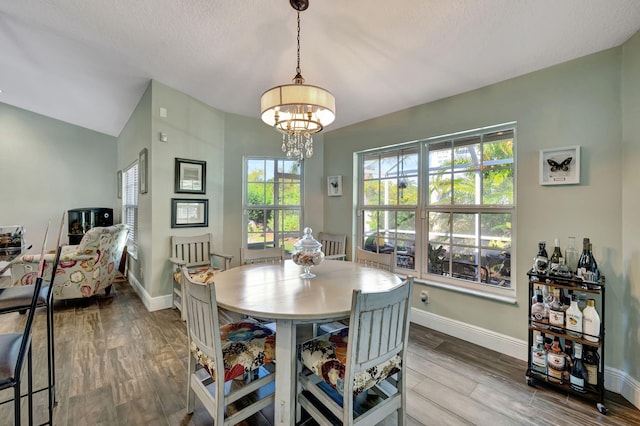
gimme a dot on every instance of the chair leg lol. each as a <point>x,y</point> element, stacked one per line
<point>16,404</point>
<point>29,385</point>
<point>51,360</point>
<point>191,397</point>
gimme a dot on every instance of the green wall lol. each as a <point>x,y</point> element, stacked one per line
<point>629,287</point>
<point>575,103</point>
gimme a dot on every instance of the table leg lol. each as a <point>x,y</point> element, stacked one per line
<point>285,400</point>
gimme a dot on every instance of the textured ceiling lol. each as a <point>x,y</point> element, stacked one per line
<point>88,62</point>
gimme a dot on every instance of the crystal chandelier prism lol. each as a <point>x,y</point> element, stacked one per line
<point>298,110</point>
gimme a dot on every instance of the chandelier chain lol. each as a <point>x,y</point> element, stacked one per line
<point>298,66</point>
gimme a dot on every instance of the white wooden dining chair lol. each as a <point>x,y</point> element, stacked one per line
<point>368,357</point>
<point>334,246</point>
<point>226,353</point>
<point>198,255</point>
<point>386,261</point>
<point>269,255</point>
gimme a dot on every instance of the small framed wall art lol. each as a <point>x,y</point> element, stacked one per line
<point>189,213</point>
<point>143,169</point>
<point>560,166</point>
<point>334,186</point>
<point>191,176</point>
<point>119,183</point>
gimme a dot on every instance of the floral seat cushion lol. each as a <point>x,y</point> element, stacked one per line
<point>325,357</point>
<point>246,346</point>
<point>202,275</point>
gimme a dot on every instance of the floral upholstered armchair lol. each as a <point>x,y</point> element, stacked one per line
<point>84,269</point>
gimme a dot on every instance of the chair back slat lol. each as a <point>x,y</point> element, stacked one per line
<point>269,255</point>
<point>202,318</point>
<point>195,251</point>
<point>385,261</point>
<point>334,246</point>
<point>382,322</point>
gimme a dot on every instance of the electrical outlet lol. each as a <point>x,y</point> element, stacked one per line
<point>424,296</point>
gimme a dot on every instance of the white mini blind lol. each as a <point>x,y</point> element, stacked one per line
<point>130,202</point>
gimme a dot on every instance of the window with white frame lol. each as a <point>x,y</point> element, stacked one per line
<point>272,202</point>
<point>444,205</point>
<point>130,204</point>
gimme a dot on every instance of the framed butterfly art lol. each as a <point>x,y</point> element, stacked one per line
<point>560,166</point>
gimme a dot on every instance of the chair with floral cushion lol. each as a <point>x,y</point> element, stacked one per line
<point>367,356</point>
<point>84,269</point>
<point>226,352</point>
<point>197,254</point>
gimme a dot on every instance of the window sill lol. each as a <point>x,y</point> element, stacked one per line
<point>503,298</point>
<point>132,252</point>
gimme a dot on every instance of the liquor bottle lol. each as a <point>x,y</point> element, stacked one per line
<point>568,357</point>
<point>591,363</point>
<point>554,261</point>
<point>541,261</point>
<point>579,375</point>
<point>540,314</point>
<point>591,322</point>
<point>556,313</point>
<point>584,260</point>
<point>581,297</point>
<point>566,303</point>
<point>571,254</point>
<point>562,270</point>
<point>555,362</point>
<point>593,265</point>
<point>573,319</point>
<point>539,357</point>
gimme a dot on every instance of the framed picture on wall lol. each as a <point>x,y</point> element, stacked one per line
<point>189,213</point>
<point>143,168</point>
<point>119,183</point>
<point>334,186</point>
<point>190,176</point>
<point>560,166</point>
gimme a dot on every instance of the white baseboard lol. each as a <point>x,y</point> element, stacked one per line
<point>151,303</point>
<point>615,380</point>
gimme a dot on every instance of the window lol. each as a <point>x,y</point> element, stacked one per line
<point>130,204</point>
<point>272,202</point>
<point>444,205</point>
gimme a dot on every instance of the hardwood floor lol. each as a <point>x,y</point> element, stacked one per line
<point>118,364</point>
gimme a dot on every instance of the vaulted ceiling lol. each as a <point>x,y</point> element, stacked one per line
<point>88,62</point>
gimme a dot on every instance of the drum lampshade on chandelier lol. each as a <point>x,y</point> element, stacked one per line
<point>298,110</point>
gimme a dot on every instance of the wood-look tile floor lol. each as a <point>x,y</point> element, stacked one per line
<point>118,364</point>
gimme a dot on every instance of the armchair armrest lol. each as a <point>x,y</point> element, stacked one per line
<point>222,259</point>
<point>177,261</point>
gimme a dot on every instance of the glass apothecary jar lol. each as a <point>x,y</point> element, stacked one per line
<point>307,253</point>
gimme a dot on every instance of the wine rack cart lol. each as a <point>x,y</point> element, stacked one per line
<point>597,291</point>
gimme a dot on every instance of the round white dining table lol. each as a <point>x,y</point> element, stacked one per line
<point>276,292</point>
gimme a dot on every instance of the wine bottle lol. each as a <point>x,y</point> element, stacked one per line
<point>555,362</point>
<point>568,356</point>
<point>539,357</point>
<point>541,261</point>
<point>573,319</point>
<point>590,322</point>
<point>554,261</point>
<point>591,363</point>
<point>592,267</point>
<point>584,260</point>
<point>556,313</point>
<point>540,314</point>
<point>571,254</point>
<point>579,374</point>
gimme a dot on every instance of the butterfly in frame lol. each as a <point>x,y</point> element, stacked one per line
<point>564,165</point>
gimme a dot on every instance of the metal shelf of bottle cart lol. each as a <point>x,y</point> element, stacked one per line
<point>593,392</point>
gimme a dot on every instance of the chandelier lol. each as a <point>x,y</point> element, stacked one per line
<point>298,110</point>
